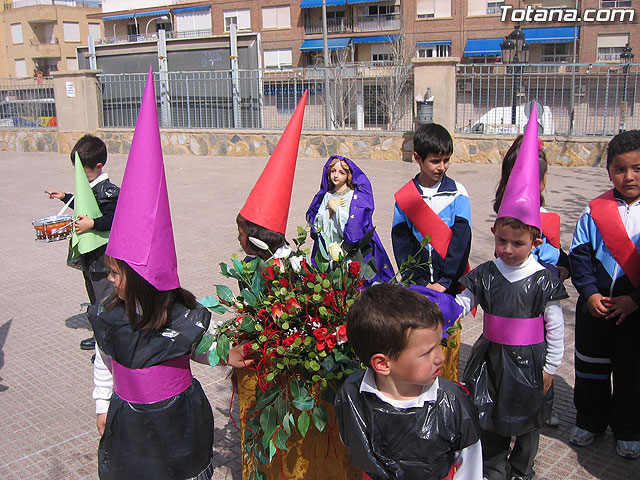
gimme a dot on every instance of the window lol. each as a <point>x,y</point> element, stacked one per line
<point>555,52</point>
<point>434,51</point>
<point>426,9</point>
<point>610,47</point>
<point>72,63</point>
<point>241,19</point>
<point>192,20</point>
<point>21,67</point>
<point>379,10</point>
<point>94,29</point>
<point>132,32</point>
<point>494,7</point>
<point>614,3</point>
<point>71,31</point>
<point>166,26</point>
<point>16,32</point>
<point>381,53</point>
<point>277,58</point>
<point>277,17</point>
<point>477,7</point>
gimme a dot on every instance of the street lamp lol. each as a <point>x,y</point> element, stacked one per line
<point>514,50</point>
<point>163,17</point>
<point>627,57</point>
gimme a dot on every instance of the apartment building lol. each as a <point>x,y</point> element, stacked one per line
<point>41,36</point>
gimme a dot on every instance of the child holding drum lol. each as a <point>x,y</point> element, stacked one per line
<point>93,155</point>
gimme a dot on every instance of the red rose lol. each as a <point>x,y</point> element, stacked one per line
<point>263,315</point>
<point>246,349</point>
<point>320,346</point>
<point>269,274</point>
<point>320,334</point>
<point>293,305</point>
<point>354,268</point>
<point>329,299</point>
<point>331,342</point>
<point>341,333</point>
<point>311,277</point>
<point>277,310</point>
<point>288,341</point>
<point>284,282</point>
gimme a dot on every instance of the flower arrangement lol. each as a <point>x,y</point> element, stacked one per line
<point>290,319</point>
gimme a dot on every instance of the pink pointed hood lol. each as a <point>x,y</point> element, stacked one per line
<point>522,194</point>
<point>142,234</point>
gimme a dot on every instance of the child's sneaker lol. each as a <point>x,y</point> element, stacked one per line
<point>580,437</point>
<point>628,448</point>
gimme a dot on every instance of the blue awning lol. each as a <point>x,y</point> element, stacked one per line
<point>375,39</point>
<point>362,1</point>
<point>192,9</point>
<point>434,42</point>
<point>155,13</point>
<point>318,3</point>
<point>550,34</point>
<point>483,47</point>
<point>317,44</point>
<point>117,17</point>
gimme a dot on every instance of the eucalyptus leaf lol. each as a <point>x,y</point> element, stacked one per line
<point>303,423</point>
<point>303,403</point>
<point>224,293</point>
<point>281,437</point>
<point>209,302</point>
<point>219,309</point>
<point>249,297</point>
<point>320,417</point>
<point>267,397</point>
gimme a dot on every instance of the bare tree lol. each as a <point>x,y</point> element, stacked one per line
<point>342,86</point>
<point>397,85</point>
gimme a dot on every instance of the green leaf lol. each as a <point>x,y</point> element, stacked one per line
<point>209,302</point>
<point>304,403</point>
<point>205,344</point>
<point>340,357</point>
<point>249,297</point>
<point>267,397</point>
<point>281,438</point>
<point>328,364</point>
<point>248,324</point>
<point>303,423</point>
<point>257,284</point>
<point>335,276</point>
<point>288,422</point>
<point>224,293</point>
<point>297,389</point>
<point>222,348</point>
<point>220,309</point>
<point>320,417</point>
<point>213,357</point>
<point>268,422</point>
<point>237,264</point>
<point>281,409</point>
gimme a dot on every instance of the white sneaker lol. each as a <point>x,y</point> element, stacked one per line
<point>580,437</point>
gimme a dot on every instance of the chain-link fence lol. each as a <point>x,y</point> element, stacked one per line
<point>353,97</point>
<point>27,102</point>
<point>577,99</point>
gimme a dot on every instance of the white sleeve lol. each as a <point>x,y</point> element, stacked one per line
<point>469,462</point>
<point>102,381</point>
<point>467,301</point>
<point>554,326</point>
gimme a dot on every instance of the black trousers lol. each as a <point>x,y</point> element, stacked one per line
<point>98,286</point>
<point>604,350</point>
<point>497,465</point>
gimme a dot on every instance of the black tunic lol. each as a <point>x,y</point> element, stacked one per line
<point>170,439</point>
<point>505,381</point>
<point>405,443</point>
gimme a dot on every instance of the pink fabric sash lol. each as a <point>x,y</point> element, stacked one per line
<point>513,331</point>
<point>152,384</point>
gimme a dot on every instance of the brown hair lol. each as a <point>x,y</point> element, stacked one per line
<point>507,166</point>
<point>381,318</point>
<point>274,240</point>
<point>518,225</point>
<point>346,168</point>
<point>91,150</point>
<point>147,307</point>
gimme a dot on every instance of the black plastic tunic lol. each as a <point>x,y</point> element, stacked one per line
<point>171,439</point>
<point>505,381</point>
<point>405,443</point>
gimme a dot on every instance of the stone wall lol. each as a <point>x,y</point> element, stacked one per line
<point>392,146</point>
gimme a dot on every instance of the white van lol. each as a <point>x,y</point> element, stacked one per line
<point>498,121</point>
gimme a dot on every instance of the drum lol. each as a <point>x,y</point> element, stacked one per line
<point>56,227</point>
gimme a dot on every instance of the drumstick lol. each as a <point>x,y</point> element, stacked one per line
<point>65,206</point>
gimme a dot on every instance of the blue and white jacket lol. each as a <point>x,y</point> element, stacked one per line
<point>451,203</point>
<point>593,267</point>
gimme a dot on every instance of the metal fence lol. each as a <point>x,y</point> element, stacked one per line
<point>353,97</point>
<point>577,99</point>
<point>27,102</point>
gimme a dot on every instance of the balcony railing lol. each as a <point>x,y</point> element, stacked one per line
<point>493,8</point>
<point>64,3</point>
<point>334,25</point>
<point>608,57</point>
<point>615,3</point>
<point>152,37</point>
<point>378,23</point>
<point>46,41</point>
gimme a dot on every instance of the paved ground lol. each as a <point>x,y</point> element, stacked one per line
<point>47,424</point>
